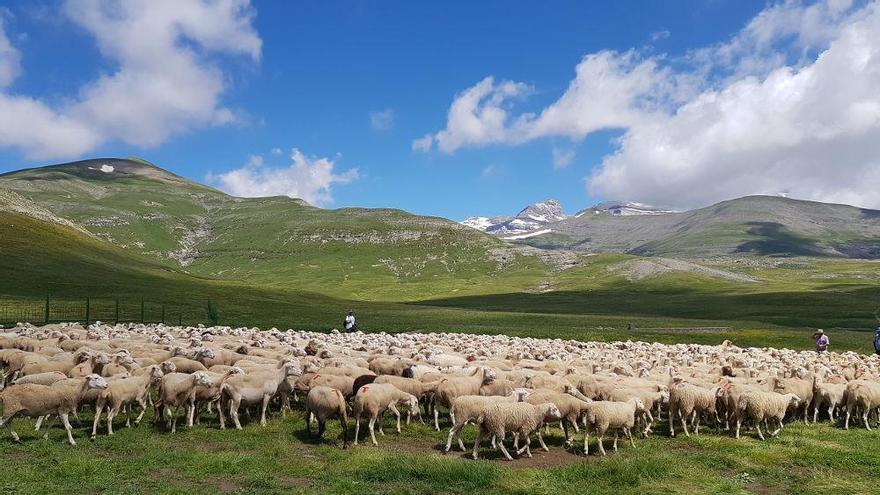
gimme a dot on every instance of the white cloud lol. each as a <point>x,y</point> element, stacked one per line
<point>382,120</point>
<point>276,151</point>
<point>478,116</point>
<point>307,177</point>
<point>562,157</point>
<point>10,58</point>
<point>164,79</point>
<point>788,104</point>
<point>660,35</point>
<point>811,131</point>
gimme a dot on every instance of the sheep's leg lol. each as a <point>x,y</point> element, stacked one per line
<point>831,412</point>
<point>233,412</point>
<point>758,426</point>
<point>629,435</point>
<point>266,400</point>
<point>616,434</point>
<point>541,441</point>
<point>848,412</point>
<point>397,413</point>
<point>671,424</point>
<point>7,422</point>
<point>357,429</point>
<point>373,431</point>
<point>321,425</point>
<point>128,408</point>
<point>111,414</point>
<point>649,420</point>
<point>865,419</point>
<point>49,427</point>
<point>568,438</point>
<point>69,430</point>
<point>452,431</point>
<point>451,416</point>
<point>143,404</point>
<point>504,450</point>
<point>437,420</point>
<point>696,422</point>
<point>586,440</point>
<point>684,426</point>
<point>221,416</point>
<point>601,445</point>
<point>475,453</point>
<point>191,413</point>
<point>815,413</point>
<point>39,422</point>
<point>778,427</point>
<point>461,442</point>
<point>738,423</point>
<point>98,408</point>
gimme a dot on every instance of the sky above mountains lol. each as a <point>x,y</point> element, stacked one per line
<point>455,108</point>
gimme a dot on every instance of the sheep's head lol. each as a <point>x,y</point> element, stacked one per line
<point>96,382</point>
<point>206,353</point>
<point>168,367</point>
<point>102,358</point>
<point>156,375</point>
<point>202,379</point>
<point>793,400</point>
<point>413,404</point>
<point>639,405</point>
<point>551,412</point>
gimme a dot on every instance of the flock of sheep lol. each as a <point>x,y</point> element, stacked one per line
<point>520,386</point>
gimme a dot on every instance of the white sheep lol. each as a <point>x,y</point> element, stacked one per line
<point>862,395</point>
<point>35,400</point>
<point>604,415</point>
<point>761,406</point>
<point>257,388</point>
<point>521,418</point>
<point>121,393</point>
<point>177,390</point>
<point>373,400</point>
<point>827,394</point>
<point>469,408</point>
<point>687,400</point>
<point>325,403</point>
<point>453,387</point>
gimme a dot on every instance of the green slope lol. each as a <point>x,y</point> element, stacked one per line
<point>277,242</point>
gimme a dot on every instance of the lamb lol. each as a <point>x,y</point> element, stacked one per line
<point>373,400</point>
<point>179,389</point>
<point>258,387</point>
<point>760,406</point>
<point>571,408</point>
<point>827,394</point>
<point>451,388</point>
<point>521,418</point>
<point>863,395</point>
<point>40,400</point>
<point>325,403</point>
<point>603,415</point>
<point>650,398</point>
<point>185,365</point>
<point>469,408</point>
<point>803,388</point>
<point>688,400</point>
<point>121,393</point>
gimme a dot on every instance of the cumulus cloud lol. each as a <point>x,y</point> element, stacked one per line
<point>307,177</point>
<point>164,80</point>
<point>790,103</point>
<point>382,120</point>
<point>660,35</point>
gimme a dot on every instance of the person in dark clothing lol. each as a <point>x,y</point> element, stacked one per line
<point>877,341</point>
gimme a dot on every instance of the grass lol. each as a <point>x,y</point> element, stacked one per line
<point>282,458</point>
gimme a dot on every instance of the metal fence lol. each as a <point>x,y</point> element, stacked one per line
<point>88,310</point>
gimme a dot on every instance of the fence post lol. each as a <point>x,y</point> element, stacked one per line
<point>117,311</point>
<point>163,314</point>
<point>46,314</point>
<point>142,310</point>
<point>180,319</point>
<point>87,311</point>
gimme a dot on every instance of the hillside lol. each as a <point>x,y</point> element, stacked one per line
<point>275,242</point>
<point>753,225</point>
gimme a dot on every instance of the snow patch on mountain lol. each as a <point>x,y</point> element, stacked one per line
<point>624,208</point>
<point>533,217</point>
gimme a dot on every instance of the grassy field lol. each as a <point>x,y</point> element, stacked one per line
<point>282,458</point>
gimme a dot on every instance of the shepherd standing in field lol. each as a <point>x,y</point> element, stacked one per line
<point>350,325</point>
<point>877,341</point>
<point>821,341</point>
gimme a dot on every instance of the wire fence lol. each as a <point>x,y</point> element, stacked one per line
<point>88,310</point>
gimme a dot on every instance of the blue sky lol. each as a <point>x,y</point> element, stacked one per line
<point>310,76</point>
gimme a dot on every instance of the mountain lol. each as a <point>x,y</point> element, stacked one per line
<point>162,218</point>
<point>530,219</point>
<point>623,208</point>
<point>752,225</point>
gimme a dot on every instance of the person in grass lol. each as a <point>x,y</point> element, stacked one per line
<point>877,341</point>
<point>350,324</point>
<point>821,341</point>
